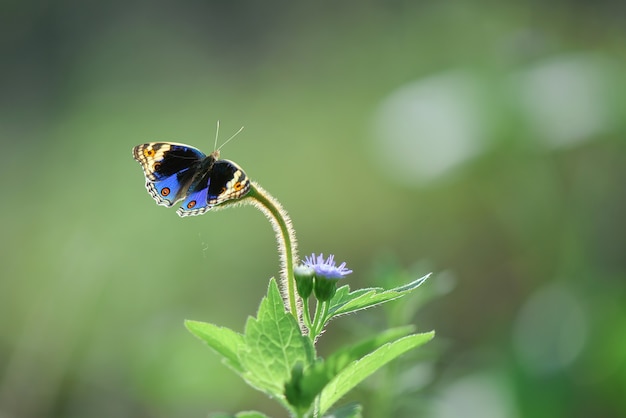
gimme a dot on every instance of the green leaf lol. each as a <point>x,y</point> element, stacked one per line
<point>338,360</point>
<point>273,345</point>
<point>306,384</point>
<point>357,371</point>
<point>223,341</point>
<point>351,410</point>
<point>345,302</point>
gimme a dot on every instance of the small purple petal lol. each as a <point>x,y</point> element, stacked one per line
<point>326,268</point>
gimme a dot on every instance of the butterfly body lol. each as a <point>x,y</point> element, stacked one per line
<point>177,171</point>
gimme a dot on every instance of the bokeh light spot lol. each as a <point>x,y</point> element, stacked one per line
<point>428,127</point>
<point>550,330</point>
<point>566,99</point>
<point>476,396</point>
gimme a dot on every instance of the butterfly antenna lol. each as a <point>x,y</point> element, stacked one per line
<point>217,133</point>
<point>229,139</point>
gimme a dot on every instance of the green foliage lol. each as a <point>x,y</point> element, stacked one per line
<point>268,351</point>
<point>356,371</point>
<point>345,302</point>
<point>273,346</point>
<point>223,341</point>
<point>275,357</point>
<point>343,356</point>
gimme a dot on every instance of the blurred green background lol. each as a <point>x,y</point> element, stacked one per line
<point>484,141</point>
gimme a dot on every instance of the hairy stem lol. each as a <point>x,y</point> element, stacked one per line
<point>287,246</point>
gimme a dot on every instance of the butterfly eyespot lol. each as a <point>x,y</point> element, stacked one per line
<point>165,191</point>
<point>149,152</point>
<point>191,204</point>
<point>157,166</point>
<point>238,186</point>
<point>223,190</point>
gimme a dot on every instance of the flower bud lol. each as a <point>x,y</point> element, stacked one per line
<point>325,288</point>
<point>304,280</point>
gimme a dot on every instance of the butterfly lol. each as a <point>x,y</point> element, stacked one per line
<point>177,171</point>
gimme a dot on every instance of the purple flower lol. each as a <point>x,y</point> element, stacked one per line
<point>326,269</point>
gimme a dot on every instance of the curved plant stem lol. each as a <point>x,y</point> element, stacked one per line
<point>287,246</point>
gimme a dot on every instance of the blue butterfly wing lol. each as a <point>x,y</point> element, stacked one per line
<point>170,190</point>
<point>169,168</point>
<point>196,202</point>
